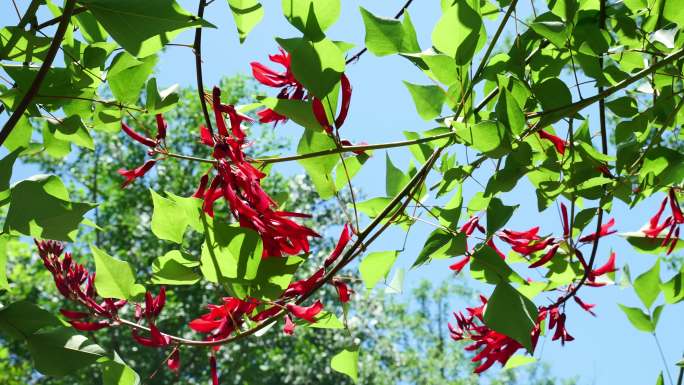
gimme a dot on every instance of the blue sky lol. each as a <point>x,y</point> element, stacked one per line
<point>607,349</point>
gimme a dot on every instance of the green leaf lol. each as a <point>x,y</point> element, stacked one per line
<point>660,380</point>
<point>428,99</point>
<point>40,207</point>
<point>60,351</point>
<point>319,168</point>
<point>389,36</point>
<point>118,373</point>
<point>396,285</point>
<point>374,206</point>
<point>639,319</point>
<point>457,32</point>
<point>317,65</point>
<point>512,314</point>
<point>647,285</point>
<point>673,290</point>
<point>6,165</point>
<point>498,215</point>
<point>510,113</point>
<point>72,130</point>
<point>20,136</point>
<point>326,320</point>
<point>674,12</point>
<point>126,76</point>
<point>490,137</point>
<point>230,253</point>
<point>312,17</point>
<point>552,94</point>
<point>656,314</point>
<point>488,266</point>
<point>552,28</point>
<point>273,277</point>
<point>395,179</point>
<point>143,27</point>
<point>21,319</point>
<point>376,266</point>
<point>247,14</point>
<point>299,111</point>
<point>4,284</point>
<point>441,244</point>
<point>173,215</point>
<point>160,101</point>
<point>174,268</point>
<point>347,362</point>
<point>114,278</point>
<point>22,46</point>
<point>519,360</point>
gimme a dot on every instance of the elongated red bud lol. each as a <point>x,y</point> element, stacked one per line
<point>676,210</point>
<point>161,127</point>
<point>173,363</point>
<point>74,315</point>
<point>289,327</point>
<point>346,100</point>
<point>220,122</point>
<point>341,243</point>
<point>137,137</point>
<point>321,116</point>
<point>202,188</point>
<point>342,290</point>
<point>546,257</point>
<point>89,326</point>
<point>214,372</point>
<point>557,142</point>
<point>160,301</point>
<point>307,313</point>
<point>674,242</point>
<point>566,223</point>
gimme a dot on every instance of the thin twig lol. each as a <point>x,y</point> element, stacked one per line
<point>58,18</point>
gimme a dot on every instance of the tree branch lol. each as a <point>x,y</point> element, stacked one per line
<point>42,72</point>
<point>197,47</point>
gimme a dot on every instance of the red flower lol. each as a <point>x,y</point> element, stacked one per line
<point>290,88</point>
<point>173,363</point>
<point>212,369</point>
<point>319,110</point>
<point>605,230</point>
<point>566,223</point>
<point>674,205</point>
<point>558,143</point>
<point>307,313</point>
<point>77,284</point>
<point>546,257</point>
<point>586,306</point>
<point>341,244</point>
<point>131,175</point>
<point>492,346</point>
<point>342,290</point>
<point>223,320</point>
<point>289,326</point>
<point>460,264</point>
<point>89,326</point>
<point>606,268</point>
<point>137,137</point>
<point>239,184</point>
<point>304,286</point>
<point>161,127</point>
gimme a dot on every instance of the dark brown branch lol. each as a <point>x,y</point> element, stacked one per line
<point>197,47</point>
<point>57,19</point>
<point>42,72</point>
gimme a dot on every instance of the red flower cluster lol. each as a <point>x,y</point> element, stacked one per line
<point>239,183</point>
<point>292,89</point>
<point>153,306</point>
<point>654,228</point>
<point>222,320</point>
<point>492,346</point>
<point>139,171</point>
<point>77,284</point>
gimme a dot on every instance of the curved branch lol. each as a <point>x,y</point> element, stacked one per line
<point>197,47</point>
<point>42,72</point>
